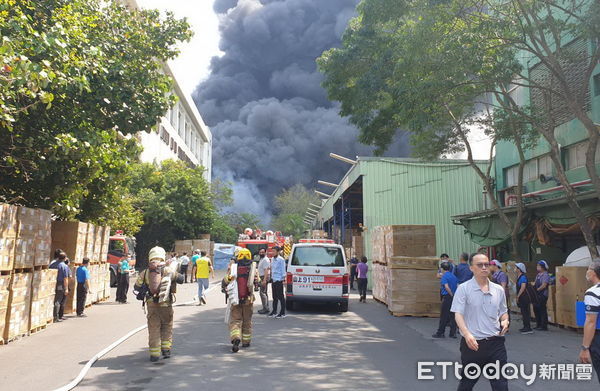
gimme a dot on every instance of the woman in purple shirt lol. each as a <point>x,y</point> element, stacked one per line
<point>542,280</point>
<point>361,270</point>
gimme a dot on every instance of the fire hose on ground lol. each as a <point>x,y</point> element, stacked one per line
<point>103,352</point>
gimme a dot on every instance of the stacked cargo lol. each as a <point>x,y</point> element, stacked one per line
<point>405,269</point>
<point>4,293</point>
<point>19,305</point>
<point>318,234</point>
<point>83,240</point>
<point>414,288</point>
<point>42,297</point>
<point>8,236</point>
<point>70,236</point>
<point>358,249</point>
<point>184,246</point>
<point>379,273</point>
<point>571,285</point>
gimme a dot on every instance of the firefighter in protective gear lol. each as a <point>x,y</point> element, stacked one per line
<point>243,274</point>
<point>160,281</point>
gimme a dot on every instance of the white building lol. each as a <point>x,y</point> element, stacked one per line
<point>180,133</point>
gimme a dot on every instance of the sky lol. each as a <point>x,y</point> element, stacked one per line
<point>192,65</point>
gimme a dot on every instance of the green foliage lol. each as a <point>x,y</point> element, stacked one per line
<point>222,231</point>
<point>76,79</point>
<point>291,205</point>
<point>176,201</point>
<point>240,221</point>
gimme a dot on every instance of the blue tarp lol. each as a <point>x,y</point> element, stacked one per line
<point>223,253</point>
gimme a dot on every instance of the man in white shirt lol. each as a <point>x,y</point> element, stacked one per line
<point>264,263</point>
<point>184,261</point>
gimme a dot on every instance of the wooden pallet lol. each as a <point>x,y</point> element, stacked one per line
<point>17,337</point>
<point>380,301</point>
<point>24,270</point>
<point>38,329</point>
<point>401,314</point>
<point>578,330</point>
<point>41,267</point>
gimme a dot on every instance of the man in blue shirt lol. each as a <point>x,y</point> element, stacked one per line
<point>62,286</point>
<point>278,277</point>
<point>463,271</point>
<point>83,285</point>
<point>449,284</point>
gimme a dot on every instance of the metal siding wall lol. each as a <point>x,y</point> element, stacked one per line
<point>449,191</point>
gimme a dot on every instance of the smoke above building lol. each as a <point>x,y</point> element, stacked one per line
<point>271,121</point>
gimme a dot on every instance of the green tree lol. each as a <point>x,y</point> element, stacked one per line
<point>291,205</point>
<point>240,221</point>
<point>430,67</point>
<point>222,231</point>
<point>176,201</point>
<point>77,79</point>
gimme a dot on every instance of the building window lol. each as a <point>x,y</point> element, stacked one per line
<point>545,165</point>
<point>180,122</point>
<point>597,85</point>
<point>512,174</point>
<point>530,171</point>
<point>576,155</point>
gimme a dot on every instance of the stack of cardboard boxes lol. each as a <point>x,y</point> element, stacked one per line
<point>27,285</point>
<point>4,293</point>
<point>571,285</point>
<point>318,234</point>
<point>83,240</point>
<point>42,297</point>
<point>8,236</point>
<point>405,269</point>
<point>358,248</point>
<point>19,306</point>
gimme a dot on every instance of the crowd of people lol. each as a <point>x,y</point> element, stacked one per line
<point>474,299</point>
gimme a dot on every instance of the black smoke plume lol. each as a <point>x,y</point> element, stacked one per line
<point>270,118</point>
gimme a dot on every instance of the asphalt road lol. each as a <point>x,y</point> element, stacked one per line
<point>312,349</point>
<point>315,348</point>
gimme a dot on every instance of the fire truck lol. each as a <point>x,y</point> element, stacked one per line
<point>257,240</point>
<point>120,247</point>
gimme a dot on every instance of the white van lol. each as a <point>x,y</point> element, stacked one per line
<point>317,273</point>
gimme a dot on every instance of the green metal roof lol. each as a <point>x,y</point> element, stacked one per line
<point>408,191</point>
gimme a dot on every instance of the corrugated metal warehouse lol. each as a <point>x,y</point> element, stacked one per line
<point>403,191</point>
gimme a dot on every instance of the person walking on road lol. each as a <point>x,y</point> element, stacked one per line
<point>203,269</point>
<point>449,284</point>
<point>542,282</point>
<point>62,286</point>
<point>590,345</point>
<point>263,274</point>
<point>242,274</point>
<point>159,283</point>
<point>83,285</point>
<point>122,280</point>
<point>193,265</point>
<point>278,277</point>
<point>353,264</point>
<point>479,307</point>
<point>184,262</point>
<point>463,271</point>
<point>361,272</point>
<point>500,278</point>
<point>523,299</point>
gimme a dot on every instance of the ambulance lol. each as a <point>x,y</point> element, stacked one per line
<point>317,273</point>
